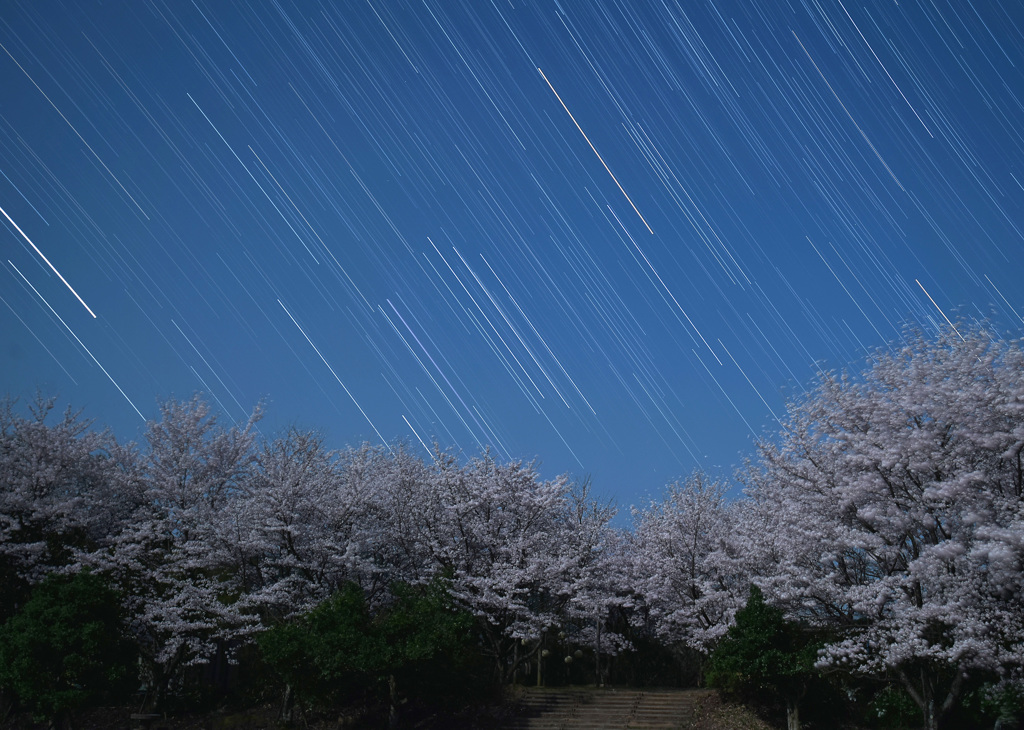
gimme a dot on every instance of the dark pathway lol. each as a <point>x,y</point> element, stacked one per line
<point>606,709</point>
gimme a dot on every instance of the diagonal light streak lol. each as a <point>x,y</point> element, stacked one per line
<point>43,257</point>
<point>343,386</point>
<point>607,169</point>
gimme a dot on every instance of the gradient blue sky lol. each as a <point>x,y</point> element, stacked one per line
<point>614,236</point>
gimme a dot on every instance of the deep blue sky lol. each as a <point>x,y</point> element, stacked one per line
<point>614,236</point>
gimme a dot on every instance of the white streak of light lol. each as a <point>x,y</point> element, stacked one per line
<point>749,381</point>
<point>432,380</point>
<point>36,249</point>
<point>543,342</point>
<point>734,407</point>
<point>940,310</point>
<point>429,452</point>
<point>88,146</point>
<point>594,149</point>
<point>887,72</point>
<point>1004,298</point>
<point>244,167</point>
<point>664,416</point>
<point>347,391</point>
<point>891,173</point>
<point>79,341</point>
<point>664,285</point>
<point>39,340</point>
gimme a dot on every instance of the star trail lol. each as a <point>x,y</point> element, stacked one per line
<point>614,236</point>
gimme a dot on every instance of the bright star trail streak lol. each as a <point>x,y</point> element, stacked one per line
<point>81,344</point>
<point>409,179</point>
<point>592,147</point>
<point>52,267</point>
<point>938,308</point>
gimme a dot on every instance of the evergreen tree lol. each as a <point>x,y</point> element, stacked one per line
<point>764,655</point>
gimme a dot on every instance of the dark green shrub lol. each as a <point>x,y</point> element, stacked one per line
<point>341,650</point>
<point>65,648</point>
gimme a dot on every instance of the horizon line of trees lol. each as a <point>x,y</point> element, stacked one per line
<point>885,520</point>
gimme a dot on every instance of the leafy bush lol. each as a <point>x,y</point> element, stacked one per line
<point>65,649</point>
<point>341,649</point>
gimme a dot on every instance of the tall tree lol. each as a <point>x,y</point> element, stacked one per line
<point>494,529</point>
<point>343,641</point>
<point>172,560</point>
<point>296,527</point>
<point>599,577</point>
<point>899,493</point>
<point>764,656</point>
<point>66,648</point>
<point>686,567</point>
<point>64,490</point>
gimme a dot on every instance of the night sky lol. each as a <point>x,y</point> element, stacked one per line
<point>614,236</point>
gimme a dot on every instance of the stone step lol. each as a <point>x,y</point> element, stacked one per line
<point>605,709</point>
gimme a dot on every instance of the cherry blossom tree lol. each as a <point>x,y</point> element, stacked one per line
<point>898,494</point>
<point>686,567</point>
<point>64,489</point>
<point>599,579</point>
<point>172,559</point>
<point>493,529</point>
<point>295,526</point>
<point>400,512</point>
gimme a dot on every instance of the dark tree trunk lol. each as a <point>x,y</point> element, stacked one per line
<point>925,694</point>
<point>288,705</point>
<point>792,714</point>
<point>393,697</point>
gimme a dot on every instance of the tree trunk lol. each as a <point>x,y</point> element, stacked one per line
<point>924,696</point>
<point>288,704</point>
<point>393,697</point>
<point>792,714</point>
<point>931,717</point>
<point>925,693</point>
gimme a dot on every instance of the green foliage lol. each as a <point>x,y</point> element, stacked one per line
<point>892,707</point>
<point>15,589</point>
<point>344,643</point>
<point>763,654</point>
<point>64,648</point>
<point>421,625</point>
<point>342,647</point>
<point>1003,699</point>
<point>312,652</point>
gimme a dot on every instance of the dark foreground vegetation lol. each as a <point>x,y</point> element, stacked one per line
<point>871,575</point>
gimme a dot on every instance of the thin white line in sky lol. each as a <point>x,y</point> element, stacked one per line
<point>344,387</point>
<point>940,310</point>
<point>594,148</point>
<point>109,376</point>
<point>88,146</point>
<point>36,249</point>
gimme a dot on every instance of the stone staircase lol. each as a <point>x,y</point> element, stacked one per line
<point>605,709</point>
